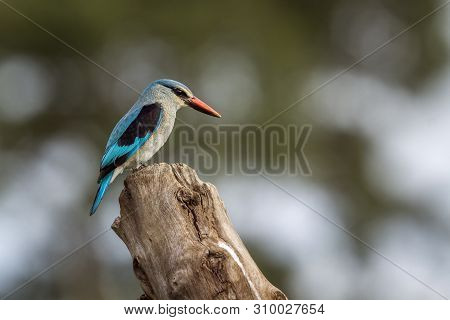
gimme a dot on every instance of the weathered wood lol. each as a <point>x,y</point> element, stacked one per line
<point>181,239</point>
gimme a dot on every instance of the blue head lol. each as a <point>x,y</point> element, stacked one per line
<point>171,93</point>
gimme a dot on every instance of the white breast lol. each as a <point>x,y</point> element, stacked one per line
<point>153,144</point>
<point>156,141</point>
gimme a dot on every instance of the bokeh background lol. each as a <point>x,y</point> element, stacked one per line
<point>379,149</point>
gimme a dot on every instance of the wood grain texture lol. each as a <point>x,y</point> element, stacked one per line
<point>182,241</point>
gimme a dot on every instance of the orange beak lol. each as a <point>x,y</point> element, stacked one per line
<point>199,105</point>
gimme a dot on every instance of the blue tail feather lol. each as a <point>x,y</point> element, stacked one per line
<point>104,183</point>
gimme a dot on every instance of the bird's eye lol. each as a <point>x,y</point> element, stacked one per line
<point>180,93</point>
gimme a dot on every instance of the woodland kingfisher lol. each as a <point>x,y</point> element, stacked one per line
<point>144,129</point>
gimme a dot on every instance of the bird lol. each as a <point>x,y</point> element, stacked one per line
<point>144,129</point>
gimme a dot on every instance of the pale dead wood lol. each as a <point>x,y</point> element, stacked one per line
<point>182,241</point>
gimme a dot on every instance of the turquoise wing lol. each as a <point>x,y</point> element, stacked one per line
<point>129,135</point>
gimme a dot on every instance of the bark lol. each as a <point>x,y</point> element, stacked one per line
<point>182,241</point>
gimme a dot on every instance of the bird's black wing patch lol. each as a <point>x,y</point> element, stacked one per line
<point>146,122</point>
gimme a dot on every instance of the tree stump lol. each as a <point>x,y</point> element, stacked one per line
<point>181,239</point>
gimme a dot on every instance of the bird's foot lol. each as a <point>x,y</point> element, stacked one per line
<point>141,166</point>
